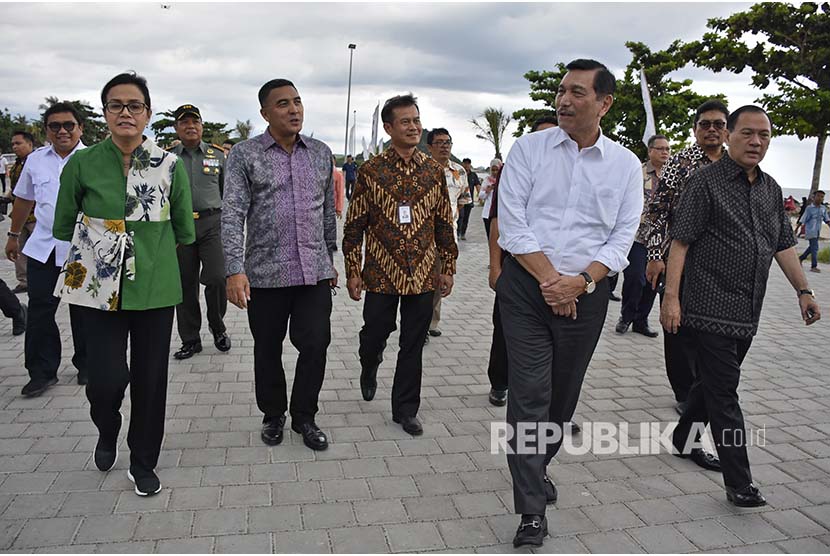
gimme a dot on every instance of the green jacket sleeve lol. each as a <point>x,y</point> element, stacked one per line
<point>181,207</point>
<point>68,204</point>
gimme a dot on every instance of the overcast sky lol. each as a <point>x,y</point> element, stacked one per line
<point>457,58</point>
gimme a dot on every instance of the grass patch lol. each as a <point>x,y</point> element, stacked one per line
<point>824,255</point>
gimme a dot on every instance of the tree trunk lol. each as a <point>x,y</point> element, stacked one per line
<point>822,140</point>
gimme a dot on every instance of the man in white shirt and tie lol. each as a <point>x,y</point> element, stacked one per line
<point>39,183</point>
<point>569,205</point>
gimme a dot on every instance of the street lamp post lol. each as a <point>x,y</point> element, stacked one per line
<point>348,100</point>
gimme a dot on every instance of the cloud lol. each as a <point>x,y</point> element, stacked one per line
<point>457,58</point>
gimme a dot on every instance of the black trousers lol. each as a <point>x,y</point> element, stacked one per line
<point>380,313</point>
<point>497,367</point>
<point>206,253</point>
<point>637,294</point>
<point>487,228</point>
<point>349,189</point>
<point>42,345</point>
<point>464,218</point>
<point>547,359</point>
<point>107,333</point>
<point>612,282</point>
<point>680,357</point>
<point>713,399</point>
<point>9,303</point>
<point>305,313</point>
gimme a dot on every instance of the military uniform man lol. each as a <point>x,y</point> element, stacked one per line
<point>205,166</point>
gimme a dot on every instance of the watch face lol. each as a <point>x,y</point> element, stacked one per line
<point>590,288</point>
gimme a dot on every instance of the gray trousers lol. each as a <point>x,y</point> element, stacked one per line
<point>547,356</point>
<point>207,254</point>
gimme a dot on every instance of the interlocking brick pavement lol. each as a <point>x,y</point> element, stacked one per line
<point>378,490</point>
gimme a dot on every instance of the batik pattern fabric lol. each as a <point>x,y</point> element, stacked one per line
<point>400,258</point>
<point>676,172</point>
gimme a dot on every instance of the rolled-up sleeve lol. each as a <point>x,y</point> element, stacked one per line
<point>235,207</point>
<point>515,234</point>
<point>614,254</point>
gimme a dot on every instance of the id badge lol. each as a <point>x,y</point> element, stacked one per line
<point>404,214</point>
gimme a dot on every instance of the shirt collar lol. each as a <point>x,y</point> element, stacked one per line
<point>733,170</point>
<point>392,155</point>
<point>78,147</point>
<point>560,136</point>
<point>267,141</point>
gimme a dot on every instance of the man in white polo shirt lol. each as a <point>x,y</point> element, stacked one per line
<point>569,205</point>
<point>39,183</point>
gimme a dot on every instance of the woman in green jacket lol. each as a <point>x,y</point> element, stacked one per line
<point>125,204</point>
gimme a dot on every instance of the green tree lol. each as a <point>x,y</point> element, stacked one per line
<point>673,101</point>
<point>492,127</point>
<point>244,129</point>
<point>95,128</point>
<point>791,51</point>
<point>9,124</point>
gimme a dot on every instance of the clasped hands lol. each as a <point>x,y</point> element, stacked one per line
<point>561,292</point>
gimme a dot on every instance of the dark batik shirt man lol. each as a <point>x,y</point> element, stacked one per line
<point>733,228</point>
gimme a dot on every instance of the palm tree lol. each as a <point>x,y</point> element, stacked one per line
<point>244,129</point>
<point>495,122</point>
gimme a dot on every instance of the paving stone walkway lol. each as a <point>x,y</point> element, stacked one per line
<point>378,490</point>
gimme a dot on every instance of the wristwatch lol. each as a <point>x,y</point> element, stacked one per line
<point>13,234</point>
<point>806,292</point>
<point>590,286</point>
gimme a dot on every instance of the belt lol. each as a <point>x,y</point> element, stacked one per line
<point>197,214</point>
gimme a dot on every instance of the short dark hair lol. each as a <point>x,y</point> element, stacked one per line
<point>543,120</point>
<point>437,131</point>
<point>604,81</point>
<point>127,78</point>
<point>708,106</point>
<point>349,156</point>
<point>60,107</point>
<point>732,120</point>
<point>266,89</point>
<point>654,138</point>
<point>28,137</point>
<point>387,115</point>
<point>466,160</point>
<point>818,192</point>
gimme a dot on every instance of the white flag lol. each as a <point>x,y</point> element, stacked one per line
<point>650,125</point>
<point>352,141</point>
<point>365,149</point>
<point>375,118</point>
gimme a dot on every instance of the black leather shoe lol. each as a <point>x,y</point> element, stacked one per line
<point>644,330</point>
<point>702,459</point>
<point>188,350</point>
<point>622,326</point>
<point>747,497</point>
<point>272,430</point>
<point>313,437</point>
<point>369,383</point>
<point>575,428</point>
<point>532,531</point>
<point>83,380</point>
<point>498,397</point>
<point>613,297</point>
<point>20,288</point>
<point>434,332</point>
<point>19,322</point>
<point>680,407</point>
<point>37,387</point>
<point>410,425</point>
<point>551,494</point>
<point>222,341</point>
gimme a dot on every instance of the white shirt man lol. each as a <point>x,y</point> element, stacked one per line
<point>569,205</point>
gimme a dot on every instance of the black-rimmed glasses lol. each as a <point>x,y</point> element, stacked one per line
<point>115,107</point>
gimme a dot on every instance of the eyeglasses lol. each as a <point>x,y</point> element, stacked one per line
<point>442,143</point>
<point>55,127</point>
<point>115,107</point>
<point>706,124</point>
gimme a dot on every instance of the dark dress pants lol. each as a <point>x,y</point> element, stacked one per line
<point>9,303</point>
<point>487,227</point>
<point>547,358</point>
<point>637,294</point>
<point>42,345</point>
<point>464,218</point>
<point>107,334</point>
<point>206,253</point>
<point>380,313</point>
<point>497,367</point>
<point>713,399</point>
<point>305,313</point>
<point>680,357</point>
